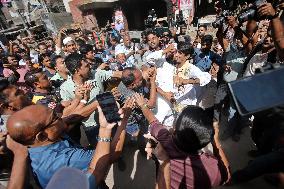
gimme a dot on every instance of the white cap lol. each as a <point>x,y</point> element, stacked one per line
<point>67,40</point>
<point>119,52</point>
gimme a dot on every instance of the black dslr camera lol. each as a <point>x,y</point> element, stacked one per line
<point>251,12</point>
<point>220,20</point>
<point>150,20</point>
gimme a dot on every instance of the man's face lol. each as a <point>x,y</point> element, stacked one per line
<point>90,55</point>
<point>90,37</point>
<point>112,42</point>
<point>47,62</point>
<point>71,47</point>
<point>99,45</point>
<point>16,98</point>
<point>153,41</point>
<point>42,49</point>
<point>180,57</point>
<point>16,48</point>
<point>138,80</point>
<point>126,41</point>
<point>268,42</point>
<point>13,61</point>
<point>166,37</point>
<point>183,30</point>
<point>201,31</point>
<point>60,65</point>
<point>121,58</point>
<point>122,32</point>
<point>84,70</point>
<point>55,126</point>
<point>206,46</point>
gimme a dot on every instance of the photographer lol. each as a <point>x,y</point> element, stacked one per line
<point>65,46</point>
<point>277,26</point>
<point>128,49</point>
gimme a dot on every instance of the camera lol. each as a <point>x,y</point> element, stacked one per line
<point>71,31</point>
<point>150,20</point>
<point>251,12</point>
<point>220,20</point>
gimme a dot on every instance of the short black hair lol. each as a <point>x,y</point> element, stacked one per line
<point>54,59</point>
<point>73,62</point>
<point>149,32</point>
<point>84,49</point>
<point>80,42</point>
<point>207,39</point>
<point>193,129</point>
<point>31,77</point>
<point>42,57</point>
<point>202,25</point>
<point>4,84</point>
<point>128,76</point>
<point>41,44</point>
<point>185,48</point>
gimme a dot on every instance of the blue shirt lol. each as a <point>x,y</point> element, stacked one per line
<point>203,61</point>
<point>46,160</point>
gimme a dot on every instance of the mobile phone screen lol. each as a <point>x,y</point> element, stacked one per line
<point>109,107</point>
<point>259,92</point>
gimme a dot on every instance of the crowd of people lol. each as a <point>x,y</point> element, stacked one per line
<point>171,91</point>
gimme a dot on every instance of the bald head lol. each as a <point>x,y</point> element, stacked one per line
<point>26,123</point>
<point>131,77</point>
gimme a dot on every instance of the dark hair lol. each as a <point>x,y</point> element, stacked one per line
<point>202,25</point>
<point>42,43</point>
<point>4,84</point>
<point>193,129</point>
<point>207,39</point>
<point>31,77</point>
<point>128,76</point>
<point>5,58</point>
<point>42,57</point>
<point>73,62</point>
<point>84,49</point>
<point>149,32</point>
<point>185,48</point>
<point>80,42</point>
<point>54,59</point>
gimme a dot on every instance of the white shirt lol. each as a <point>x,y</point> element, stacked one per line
<point>164,109</point>
<point>121,48</point>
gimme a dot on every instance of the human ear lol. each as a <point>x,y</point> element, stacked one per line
<point>42,136</point>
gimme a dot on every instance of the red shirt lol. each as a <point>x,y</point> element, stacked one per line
<point>188,170</point>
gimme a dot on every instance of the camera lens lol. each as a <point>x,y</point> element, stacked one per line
<point>247,15</point>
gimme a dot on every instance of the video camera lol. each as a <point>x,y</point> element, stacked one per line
<point>151,19</point>
<point>251,11</point>
<point>259,92</point>
<point>228,9</point>
<point>220,20</point>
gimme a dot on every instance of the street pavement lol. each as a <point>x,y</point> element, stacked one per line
<point>140,172</point>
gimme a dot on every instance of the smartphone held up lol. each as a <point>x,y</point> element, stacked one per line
<point>109,107</point>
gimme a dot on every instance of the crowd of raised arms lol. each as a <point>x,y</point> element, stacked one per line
<point>171,92</point>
